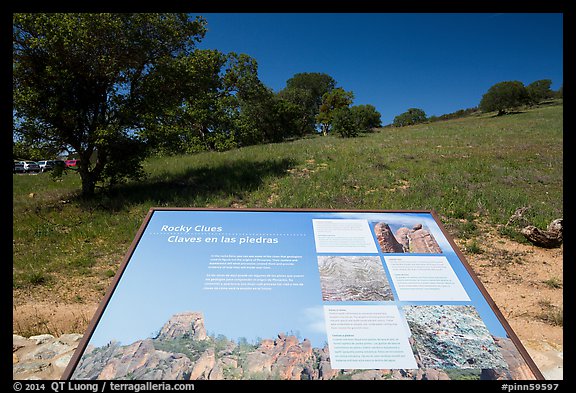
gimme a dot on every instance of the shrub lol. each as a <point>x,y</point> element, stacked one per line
<point>365,117</point>
<point>343,123</point>
<point>410,117</point>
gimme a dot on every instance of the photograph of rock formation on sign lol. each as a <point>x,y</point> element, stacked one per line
<point>357,278</point>
<point>183,350</point>
<point>417,239</point>
<point>452,337</point>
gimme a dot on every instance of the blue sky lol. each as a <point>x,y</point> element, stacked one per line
<point>438,62</point>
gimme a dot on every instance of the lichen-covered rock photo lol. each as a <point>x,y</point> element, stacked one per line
<point>452,337</point>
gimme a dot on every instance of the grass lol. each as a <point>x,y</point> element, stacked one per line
<point>472,170</point>
<point>473,247</point>
<point>551,314</point>
<point>553,283</point>
<point>42,325</point>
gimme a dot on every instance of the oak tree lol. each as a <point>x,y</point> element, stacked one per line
<point>86,83</point>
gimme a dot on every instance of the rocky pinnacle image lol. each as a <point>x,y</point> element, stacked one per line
<point>405,240</point>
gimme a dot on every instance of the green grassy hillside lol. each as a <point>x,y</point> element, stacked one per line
<point>471,171</point>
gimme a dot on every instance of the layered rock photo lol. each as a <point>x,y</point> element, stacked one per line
<point>359,278</point>
<point>182,350</point>
<point>416,239</point>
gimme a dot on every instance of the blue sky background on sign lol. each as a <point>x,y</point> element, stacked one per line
<point>164,278</point>
<point>438,62</point>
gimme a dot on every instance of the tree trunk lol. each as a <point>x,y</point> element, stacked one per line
<point>550,238</point>
<point>87,177</point>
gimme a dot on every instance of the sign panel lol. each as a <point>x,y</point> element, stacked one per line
<point>297,294</point>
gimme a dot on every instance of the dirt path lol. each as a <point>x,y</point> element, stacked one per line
<point>524,281</point>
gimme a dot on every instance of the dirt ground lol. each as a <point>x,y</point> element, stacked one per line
<point>525,282</point>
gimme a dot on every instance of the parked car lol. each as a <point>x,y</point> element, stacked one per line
<point>30,166</point>
<point>59,163</point>
<point>72,163</point>
<point>18,168</point>
<point>46,165</point>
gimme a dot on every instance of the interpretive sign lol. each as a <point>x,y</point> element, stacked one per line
<point>297,294</point>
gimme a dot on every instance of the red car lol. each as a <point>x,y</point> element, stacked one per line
<point>71,163</point>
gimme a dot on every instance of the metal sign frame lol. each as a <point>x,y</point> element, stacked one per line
<point>122,269</point>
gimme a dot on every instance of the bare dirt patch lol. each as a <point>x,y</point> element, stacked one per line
<point>526,283</point>
<point>65,306</point>
<point>51,318</point>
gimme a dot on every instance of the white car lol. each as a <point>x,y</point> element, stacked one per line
<point>18,168</point>
<point>30,166</point>
<point>46,165</point>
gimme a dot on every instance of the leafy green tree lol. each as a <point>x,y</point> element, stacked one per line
<point>257,109</point>
<point>539,90</point>
<point>306,90</point>
<point>31,150</point>
<point>187,127</point>
<point>343,122</point>
<point>256,118</point>
<point>269,119</point>
<point>223,105</point>
<point>366,117</point>
<point>560,92</point>
<point>410,117</point>
<point>89,82</point>
<point>504,96</point>
<point>316,83</point>
<point>303,107</point>
<point>335,99</point>
<point>288,119</point>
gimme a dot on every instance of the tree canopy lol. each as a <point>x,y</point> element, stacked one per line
<point>306,91</point>
<point>504,96</point>
<point>410,117</point>
<point>316,83</point>
<point>87,83</point>
<point>539,90</point>
<point>222,105</point>
<point>332,101</point>
<point>366,117</point>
